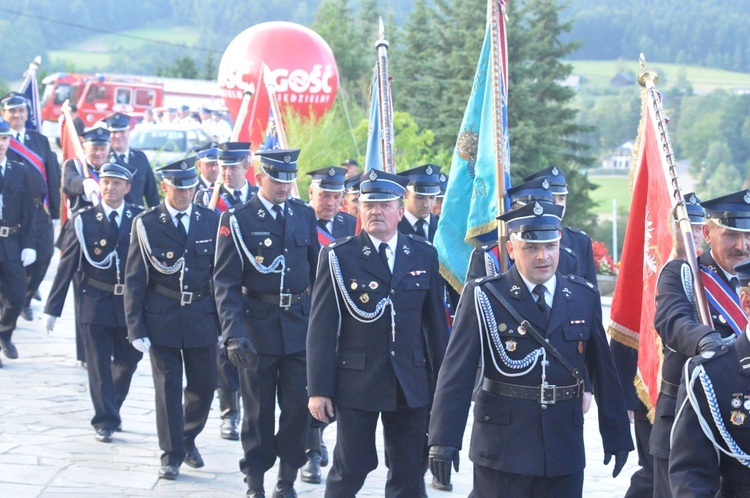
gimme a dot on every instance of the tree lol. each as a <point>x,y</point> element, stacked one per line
<point>183,67</point>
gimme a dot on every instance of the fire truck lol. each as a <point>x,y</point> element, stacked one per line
<point>98,95</point>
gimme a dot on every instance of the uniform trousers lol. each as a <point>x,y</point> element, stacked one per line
<point>112,361</point>
<point>642,480</point>
<point>228,374</point>
<point>44,240</point>
<point>176,424</point>
<point>267,377</point>
<point>355,454</point>
<point>12,291</point>
<point>490,483</point>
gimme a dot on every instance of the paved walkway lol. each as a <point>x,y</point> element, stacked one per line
<point>47,445</point>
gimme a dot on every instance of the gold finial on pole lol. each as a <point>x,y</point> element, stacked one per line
<point>646,76</point>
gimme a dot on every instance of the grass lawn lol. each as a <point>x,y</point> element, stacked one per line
<point>80,61</point>
<point>610,187</point>
<point>598,73</point>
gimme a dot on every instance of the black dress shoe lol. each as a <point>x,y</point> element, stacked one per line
<point>311,471</point>
<point>256,493</point>
<point>169,472</point>
<point>323,453</point>
<point>440,486</point>
<point>193,459</point>
<point>104,435</point>
<point>229,429</point>
<point>37,296</point>
<point>119,427</point>
<point>284,489</point>
<point>10,350</point>
<point>28,314</point>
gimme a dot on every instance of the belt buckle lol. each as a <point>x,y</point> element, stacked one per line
<point>119,289</point>
<point>4,231</point>
<point>543,389</point>
<point>285,300</point>
<point>186,298</point>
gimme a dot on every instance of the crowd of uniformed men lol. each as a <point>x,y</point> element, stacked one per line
<point>262,298</point>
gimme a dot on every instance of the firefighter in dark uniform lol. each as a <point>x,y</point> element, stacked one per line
<point>542,346</point>
<point>16,240</point>
<point>325,193</point>
<point>80,190</point>
<point>171,314</point>
<point>484,259</point>
<point>350,199</point>
<point>710,452</point>
<point>437,209</point>
<point>32,149</point>
<point>208,169</point>
<point>377,339</point>
<point>727,234</point>
<point>98,251</point>
<point>233,162</point>
<point>265,265</point>
<point>574,241</point>
<point>144,182</point>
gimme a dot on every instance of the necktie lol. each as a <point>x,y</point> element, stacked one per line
<point>2,178</point>
<point>734,283</point>
<point>113,222</point>
<point>541,303</point>
<point>122,159</point>
<point>382,252</point>
<point>238,196</point>
<point>18,136</point>
<point>324,225</point>
<point>419,228</point>
<point>279,214</point>
<point>181,225</point>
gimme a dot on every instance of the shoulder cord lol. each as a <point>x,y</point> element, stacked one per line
<point>104,264</point>
<point>351,306</point>
<point>149,258</point>
<point>488,323</point>
<point>734,449</point>
<point>687,286</point>
<point>278,265</point>
<point>489,265</point>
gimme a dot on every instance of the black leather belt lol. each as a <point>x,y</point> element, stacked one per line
<point>183,297</point>
<point>282,300</point>
<point>546,395</point>
<point>669,389</point>
<point>116,289</point>
<point>8,231</point>
<point>732,489</point>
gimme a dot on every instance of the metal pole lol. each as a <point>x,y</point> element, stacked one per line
<point>614,229</point>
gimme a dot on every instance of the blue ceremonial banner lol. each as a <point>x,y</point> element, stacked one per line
<point>482,149</point>
<point>30,90</point>
<point>373,156</point>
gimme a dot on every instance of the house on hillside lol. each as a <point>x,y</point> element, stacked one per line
<point>572,81</point>
<point>622,79</point>
<point>620,158</point>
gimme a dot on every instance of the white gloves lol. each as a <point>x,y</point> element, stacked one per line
<point>49,322</point>
<point>90,186</point>
<point>142,344</point>
<point>28,256</point>
<point>221,342</point>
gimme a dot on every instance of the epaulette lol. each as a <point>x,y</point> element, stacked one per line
<point>152,208</point>
<point>339,242</point>
<point>300,202</point>
<point>707,356</point>
<point>85,209</point>
<point>487,278</point>
<point>237,208</point>
<point>582,282</point>
<point>577,230</point>
<point>488,247</point>
<point>567,249</point>
<point>419,239</point>
<point>201,206</point>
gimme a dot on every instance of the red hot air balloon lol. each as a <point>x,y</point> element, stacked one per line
<point>303,69</point>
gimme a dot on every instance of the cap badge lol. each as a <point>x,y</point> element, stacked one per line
<point>538,210</point>
<point>428,171</point>
<point>442,178</point>
<point>747,197</point>
<point>287,159</point>
<point>373,176</point>
<point>693,200</point>
<point>99,131</point>
<point>183,166</point>
<point>545,183</point>
<point>555,171</point>
<point>331,171</point>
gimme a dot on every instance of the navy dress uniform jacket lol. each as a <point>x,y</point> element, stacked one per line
<point>344,225</point>
<point>696,468</point>
<point>40,145</point>
<point>73,185</point>
<point>161,318</point>
<point>518,435</point>
<point>271,329</point>
<point>17,210</point>
<point>143,184</point>
<point>577,244</point>
<point>406,228</point>
<point>675,322</point>
<point>97,307</point>
<point>361,365</point>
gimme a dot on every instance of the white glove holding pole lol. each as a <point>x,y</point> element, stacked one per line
<point>28,256</point>
<point>91,186</point>
<point>142,344</point>
<point>49,322</point>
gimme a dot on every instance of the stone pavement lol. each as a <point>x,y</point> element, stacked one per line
<point>47,445</point>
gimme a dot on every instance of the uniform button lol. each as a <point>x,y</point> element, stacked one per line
<point>186,269</point>
<point>393,353</point>
<point>343,362</point>
<point>286,250</point>
<point>184,287</point>
<point>544,407</point>
<point>393,292</point>
<point>417,284</point>
<point>287,270</point>
<point>486,417</point>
